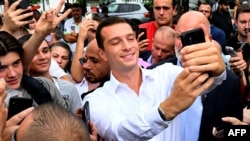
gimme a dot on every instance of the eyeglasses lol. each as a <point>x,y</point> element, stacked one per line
<point>82,60</point>
<point>204,11</point>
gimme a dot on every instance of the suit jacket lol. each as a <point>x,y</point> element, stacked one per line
<point>145,55</point>
<point>222,101</point>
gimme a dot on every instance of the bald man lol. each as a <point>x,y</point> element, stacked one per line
<point>96,67</point>
<point>163,46</point>
<point>207,110</point>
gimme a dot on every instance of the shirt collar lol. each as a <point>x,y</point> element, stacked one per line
<point>115,84</point>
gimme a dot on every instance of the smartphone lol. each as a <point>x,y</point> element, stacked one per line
<point>18,104</point>
<point>193,36</point>
<point>86,115</point>
<point>231,51</point>
<point>23,5</point>
<point>89,15</point>
<point>144,36</point>
<point>220,129</point>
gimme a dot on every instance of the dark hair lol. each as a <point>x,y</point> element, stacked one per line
<point>8,43</point>
<point>65,46</point>
<point>105,9</point>
<point>174,2</point>
<point>107,22</point>
<point>243,8</point>
<point>97,18</point>
<point>134,27</point>
<point>36,15</point>
<point>24,38</point>
<point>205,3</point>
<point>76,5</point>
<point>225,2</point>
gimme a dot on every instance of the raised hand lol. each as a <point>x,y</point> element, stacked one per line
<point>50,19</point>
<point>13,18</point>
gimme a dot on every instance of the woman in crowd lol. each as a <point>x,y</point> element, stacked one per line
<point>61,53</point>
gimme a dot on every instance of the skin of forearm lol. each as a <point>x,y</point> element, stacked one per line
<point>76,67</point>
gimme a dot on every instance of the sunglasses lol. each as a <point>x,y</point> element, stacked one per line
<point>82,60</point>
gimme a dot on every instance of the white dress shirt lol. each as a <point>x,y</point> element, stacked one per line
<point>120,114</point>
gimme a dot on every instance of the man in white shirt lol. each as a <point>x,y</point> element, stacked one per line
<point>139,104</point>
<point>71,26</point>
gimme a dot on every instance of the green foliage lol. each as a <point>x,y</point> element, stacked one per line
<point>35,1</point>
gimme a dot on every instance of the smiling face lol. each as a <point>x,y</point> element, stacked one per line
<point>12,70</point>
<point>120,46</point>
<point>41,61</point>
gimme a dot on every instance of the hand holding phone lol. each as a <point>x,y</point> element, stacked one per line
<point>24,4</point>
<point>193,36</point>
<point>220,129</point>
<point>86,115</point>
<point>231,51</point>
<point>18,104</point>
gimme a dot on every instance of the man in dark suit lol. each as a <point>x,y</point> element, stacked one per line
<point>162,47</point>
<point>206,112</point>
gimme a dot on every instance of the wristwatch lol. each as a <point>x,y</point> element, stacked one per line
<point>162,114</point>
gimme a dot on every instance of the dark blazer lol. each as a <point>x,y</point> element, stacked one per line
<point>223,101</point>
<point>145,54</point>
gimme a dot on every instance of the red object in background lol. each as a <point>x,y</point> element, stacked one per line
<point>35,7</point>
<point>95,9</point>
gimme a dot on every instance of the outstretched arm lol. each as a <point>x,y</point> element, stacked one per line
<point>47,22</point>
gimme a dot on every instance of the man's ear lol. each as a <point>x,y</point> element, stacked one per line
<point>102,55</point>
<point>175,10</point>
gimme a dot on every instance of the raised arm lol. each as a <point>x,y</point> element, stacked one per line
<point>76,67</point>
<point>14,20</point>
<point>47,22</point>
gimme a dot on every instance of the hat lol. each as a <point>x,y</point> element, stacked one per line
<point>225,2</point>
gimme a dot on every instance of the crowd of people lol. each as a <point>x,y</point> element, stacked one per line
<point>153,89</point>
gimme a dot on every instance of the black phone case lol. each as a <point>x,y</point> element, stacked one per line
<point>86,115</point>
<point>220,129</point>
<point>18,104</point>
<point>193,36</point>
<point>23,5</point>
